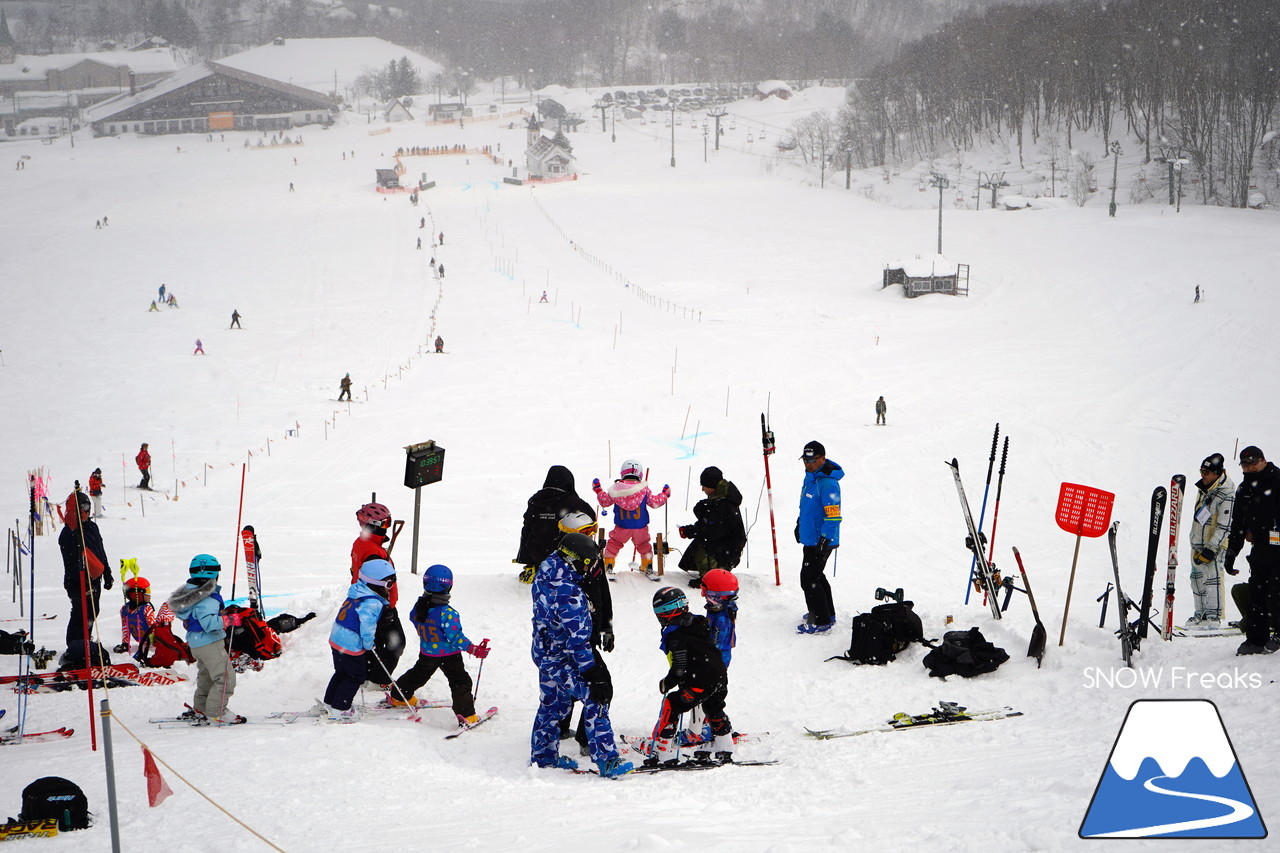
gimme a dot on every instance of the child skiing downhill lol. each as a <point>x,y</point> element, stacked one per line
<point>631,499</point>
<point>697,677</point>
<point>352,639</point>
<point>442,643</point>
<point>198,603</point>
<point>568,668</point>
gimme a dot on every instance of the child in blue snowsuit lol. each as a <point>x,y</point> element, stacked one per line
<point>568,667</point>
<point>352,637</point>
<point>442,643</point>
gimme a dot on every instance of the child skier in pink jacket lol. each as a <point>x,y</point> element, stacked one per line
<point>631,499</point>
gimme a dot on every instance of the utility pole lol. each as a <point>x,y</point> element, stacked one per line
<point>1115,172</point>
<point>717,114</point>
<point>941,182</point>
<point>673,134</point>
<point>613,122</point>
<point>1053,177</point>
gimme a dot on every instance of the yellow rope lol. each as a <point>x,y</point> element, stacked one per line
<point>169,767</point>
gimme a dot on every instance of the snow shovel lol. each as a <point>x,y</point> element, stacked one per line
<point>1038,635</point>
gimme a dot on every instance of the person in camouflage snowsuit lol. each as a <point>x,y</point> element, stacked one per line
<point>568,667</point>
<point>1210,524</point>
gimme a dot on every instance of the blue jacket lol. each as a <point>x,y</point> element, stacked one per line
<point>356,625</point>
<point>440,633</point>
<point>561,617</point>
<point>199,603</point>
<point>820,505</point>
<point>723,632</point>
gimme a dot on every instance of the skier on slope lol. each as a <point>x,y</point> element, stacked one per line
<point>1210,524</point>
<point>344,386</point>
<point>541,532</point>
<point>441,644</point>
<point>697,678</point>
<point>95,491</point>
<point>143,461</point>
<point>718,535</point>
<point>631,499</point>
<point>198,605</point>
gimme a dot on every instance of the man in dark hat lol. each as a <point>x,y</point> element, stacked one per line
<point>1210,523</point>
<point>718,535</point>
<point>818,530</point>
<point>1256,520</point>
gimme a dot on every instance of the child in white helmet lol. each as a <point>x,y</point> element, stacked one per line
<point>631,499</point>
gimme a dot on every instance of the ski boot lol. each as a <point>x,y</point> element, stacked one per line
<point>662,752</point>
<point>608,567</point>
<point>722,748</point>
<point>611,768</point>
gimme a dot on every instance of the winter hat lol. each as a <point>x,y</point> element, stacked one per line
<point>1251,454</point>
<point>1214,462</point>
<point>631,468</point>
<point>377,572</point>
<point>813,450</point>
<point>710,477</point>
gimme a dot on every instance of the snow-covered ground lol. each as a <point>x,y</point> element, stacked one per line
<point>750,290</point>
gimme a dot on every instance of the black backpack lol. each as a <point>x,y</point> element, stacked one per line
<point>878,636</point>
<point>58,798</point>
<point>964,653</point>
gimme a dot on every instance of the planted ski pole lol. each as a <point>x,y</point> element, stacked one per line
<point>1122,604</point>
<point>235,560</point>
<point>1158,497</point>
<point>484,644</point>
<point>995,516</point>
<point>1084,511</point>
<point>982,514</point>
<point>1104,599</point>
<point>1039,636</point>
<point>766,437</point>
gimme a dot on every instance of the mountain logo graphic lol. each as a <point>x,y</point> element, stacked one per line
<point>1173,773</point>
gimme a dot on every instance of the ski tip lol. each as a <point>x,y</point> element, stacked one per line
<point>954,463</point>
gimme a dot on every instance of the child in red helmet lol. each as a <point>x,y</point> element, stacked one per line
<point>138,614</point>
<point>375,521</point>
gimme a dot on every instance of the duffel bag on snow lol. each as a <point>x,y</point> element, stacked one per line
<point>964,653</point>
<point>55,797</point>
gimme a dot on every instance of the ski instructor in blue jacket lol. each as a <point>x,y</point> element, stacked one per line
<point>818,530</point>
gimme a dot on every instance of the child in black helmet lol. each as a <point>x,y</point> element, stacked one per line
<point>442,643</point>
<point>697,677</point>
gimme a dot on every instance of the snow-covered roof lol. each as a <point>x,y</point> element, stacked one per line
<point>313,63</point>
<point>764,87</point>
<point>925,266</point>
<point>158,60</point>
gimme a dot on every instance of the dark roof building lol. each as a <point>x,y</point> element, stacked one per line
<point>210,97</point>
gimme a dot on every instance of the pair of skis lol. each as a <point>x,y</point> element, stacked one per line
<point>946,714</point>
<point>986,574</point>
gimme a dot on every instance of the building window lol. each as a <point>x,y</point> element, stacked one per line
<point>149,127</point>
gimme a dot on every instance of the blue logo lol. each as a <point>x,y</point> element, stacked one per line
<point>1173,773</point>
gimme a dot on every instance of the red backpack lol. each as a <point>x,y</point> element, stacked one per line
<point>250,635</point>
<point>161,647</point>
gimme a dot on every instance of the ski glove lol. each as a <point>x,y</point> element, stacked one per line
<point>797,532</point>
<point>108,580</point>
<point>606,640</point>
<point>230,620</point>
<point>666,490</point>
<point>119,650</point>
<point>824,544</point>
<point>481,651</point>
<point>1230,564</point>
<point>686,531</point>
<point>595,484</point>
<point>599,684</point>
<point>1202,556</point>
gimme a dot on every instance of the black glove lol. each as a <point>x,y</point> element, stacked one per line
<point>108,580</point>
<point>686,531</point>
<point>797,532</point>
<point>1202,556</point>
<point>606,640</point>
<point>121,649</point>
<point>662,684</point>
<point>1230,563</point>
<point>28,648</point>
<point>601,688</point>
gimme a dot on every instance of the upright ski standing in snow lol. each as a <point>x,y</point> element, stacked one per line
<point>1158,498</point>
<point>985,575</point>
<point>1127,640</point>
<point>1176,487</point>
<point>249,541</point>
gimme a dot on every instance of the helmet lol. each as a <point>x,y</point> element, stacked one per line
<point>669,603</point>
<point>719,582</point>
<point>579,549</point>
<point>437,578</point>
<point>631,468</point>
<point>378,572</point>
<point>577,521</point>
<point>1214,462</point>
<point>137,588</point>
<point>204,566</point>
<point>376,515</point>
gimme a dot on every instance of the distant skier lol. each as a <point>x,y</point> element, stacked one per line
<point>440,271</point>
<point>161,293</point>
<point>441,238</point>
<point>422,223</point>
<point>345,385</point>
<point>143,461</point>
<point>439,344</point>
<point>95,491</point>
<point>153,307</point>
<point>199,348</point>
<point>419,243</point>
<point>235,319</point>
<point>1197,293</point>
<point>544,297</point>
<point>882,409</point>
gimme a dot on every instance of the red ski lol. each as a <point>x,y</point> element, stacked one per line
<point>36,737</point>
<point>126,671</point>
<point>249,541</point>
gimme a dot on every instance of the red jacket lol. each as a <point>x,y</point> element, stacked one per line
<point>95,484</point>
<point>366,546</point>
<point>143,459</point>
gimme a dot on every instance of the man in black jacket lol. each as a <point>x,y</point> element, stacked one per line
<point>718,535</point>
<point>1256,520</point>
<point>80,542</point>
<point>541,532</point>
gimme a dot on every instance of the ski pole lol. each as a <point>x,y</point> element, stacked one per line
<point>484,644</point>
<point>1104,598</point>
<point>413,711</point>
<point>766,435</point>
<point>235,558</point>
<point>995,514</point>
<point>982,514</point>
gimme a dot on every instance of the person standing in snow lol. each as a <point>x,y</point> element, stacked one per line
<point>568,668</point>
<point>1210,524</point>
<point>84,561</point>
<point>882,409</point>
<point>631,499</point>
<point>345,388</point>
<point>161,288</point>
<point>595,586</point>
<point>439,344</point>
<point>718,535</point>
<point>818,531</point>
<point>95,491</point>
<point>143,461</point>
<point>389,638</point>
<point>235,319</point>
<point>352,639</point>
<point>1255,520</point>
<point>540,532</point>
<point>197,604</point>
